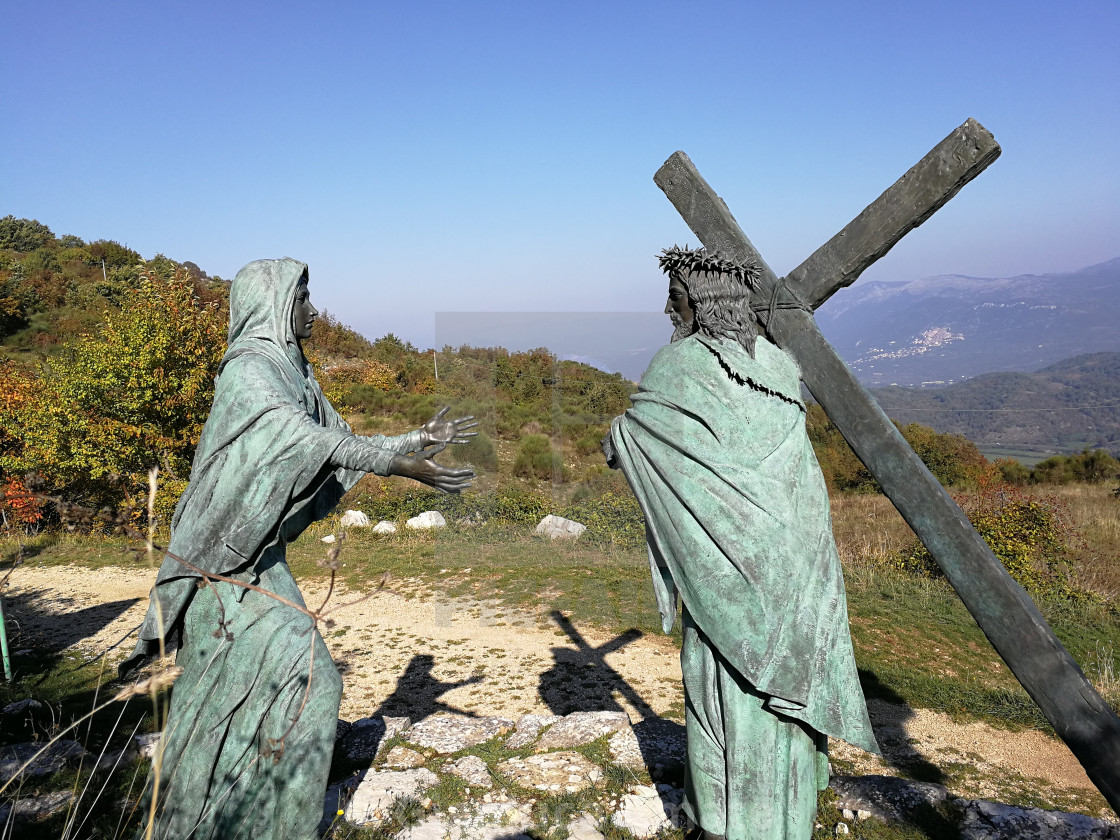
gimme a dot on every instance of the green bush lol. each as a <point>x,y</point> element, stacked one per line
<point>1030,536</point>
<point>1090,466</point>
<point>589,444</point>
<point>612,519</point>
<point>1013,472</point>
<point>506,507</point>
<point>537,459</point>
<point>480,453</point>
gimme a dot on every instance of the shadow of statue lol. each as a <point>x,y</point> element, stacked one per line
<point>418,691</point>
<point>889,714</point>
<point>43,619</point>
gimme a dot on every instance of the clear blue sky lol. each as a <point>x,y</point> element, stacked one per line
<point>479,156</point>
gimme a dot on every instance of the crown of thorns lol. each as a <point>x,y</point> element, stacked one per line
<point>682,261</point>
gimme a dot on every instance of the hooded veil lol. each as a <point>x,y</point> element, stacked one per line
<point>266,466</point>
<point>262,471</point>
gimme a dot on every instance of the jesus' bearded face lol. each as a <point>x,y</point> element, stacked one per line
<point>679,310</point>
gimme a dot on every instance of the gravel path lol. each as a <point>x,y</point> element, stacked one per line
<point>401,654</point>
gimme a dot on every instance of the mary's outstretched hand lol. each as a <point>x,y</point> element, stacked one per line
<point>421,467</point>
<point>440,431</point>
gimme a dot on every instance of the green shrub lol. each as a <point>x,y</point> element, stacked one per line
<point>589,444</point>
<point>1030,536</point>
<point>480,453</point>
<point>506,507</point>
<point>1013,472</point>
<point>612,519</point>
<point>537,459</point>
<point>1090,466</point>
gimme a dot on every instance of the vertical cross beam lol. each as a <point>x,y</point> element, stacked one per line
<point>1002,608</point>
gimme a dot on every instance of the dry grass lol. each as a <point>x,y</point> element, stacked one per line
<point>1096,516</point>
<point>868,529</point>
<point>870,532</point>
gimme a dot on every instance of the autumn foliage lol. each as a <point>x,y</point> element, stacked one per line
<point>119,400</point>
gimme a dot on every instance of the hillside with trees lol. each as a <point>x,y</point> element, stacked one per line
<point>108,363</point>
<point>1063,408</point>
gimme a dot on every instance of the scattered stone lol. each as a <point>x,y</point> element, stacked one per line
<point>564,771</point>
<point>329,538</point>
<point>528,727</point>
<point>403,757</point>
<point>21,706</point>
<point>147,744</point>
<point>110,761</point>
<point>584,827</point>
<point>647,810</point>
<point>582,728</point>
<point>35,808</point>
<point>353,519</point>
<point>369,796</point>
<point>559,528</point>
<point>385,527</point>
<point>657,744</point>
<point>490,821</point>
<point>885,797</point>
<point>992,821</point>
<point>426,521</point>
<point>53,758</point>
<point>341,728</point>
<point>472,770</point>
<point>363,740</point>
<point>841,829</point>
<point>450,733</point>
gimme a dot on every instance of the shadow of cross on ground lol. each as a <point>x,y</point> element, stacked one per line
<point>581,680</point>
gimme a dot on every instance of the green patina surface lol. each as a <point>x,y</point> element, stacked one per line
<point>739,526</point>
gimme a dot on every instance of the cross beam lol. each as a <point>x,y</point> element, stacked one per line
<point>1002,608</point>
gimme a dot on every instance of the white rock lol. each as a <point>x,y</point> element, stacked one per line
<point>426,521</point>
<point>446,733</point>
<point>147,744</point>
<point>647,810</point>
<point>528,727</point>
<point>384,527</point>
<point>329,538</point>
<point>559,528</point>
<point>34,808</point>
<point>38,759</point>
<point>376,792</point>
<point>472,770</point>
<point>584,827</point>
<point>841,829</point>
<point>354,519</point>
<point>582,728</point>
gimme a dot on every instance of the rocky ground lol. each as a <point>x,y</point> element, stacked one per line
<point>517,687</point>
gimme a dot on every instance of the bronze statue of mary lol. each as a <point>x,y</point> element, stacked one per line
<point>249,737</point>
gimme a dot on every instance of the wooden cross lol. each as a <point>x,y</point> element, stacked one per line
<point>1004,611</point>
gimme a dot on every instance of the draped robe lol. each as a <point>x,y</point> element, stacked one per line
<point>738,528</point>
<point>263,471</point>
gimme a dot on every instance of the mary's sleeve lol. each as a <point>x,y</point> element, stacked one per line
<point>373,454</point>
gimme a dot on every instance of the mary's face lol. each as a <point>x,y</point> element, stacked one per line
<point>303,313</point>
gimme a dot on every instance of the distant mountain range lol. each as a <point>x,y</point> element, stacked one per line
<point>945,329</point>
<point>1062,408</point>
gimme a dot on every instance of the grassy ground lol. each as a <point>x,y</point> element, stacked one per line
<point>914,641</point>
